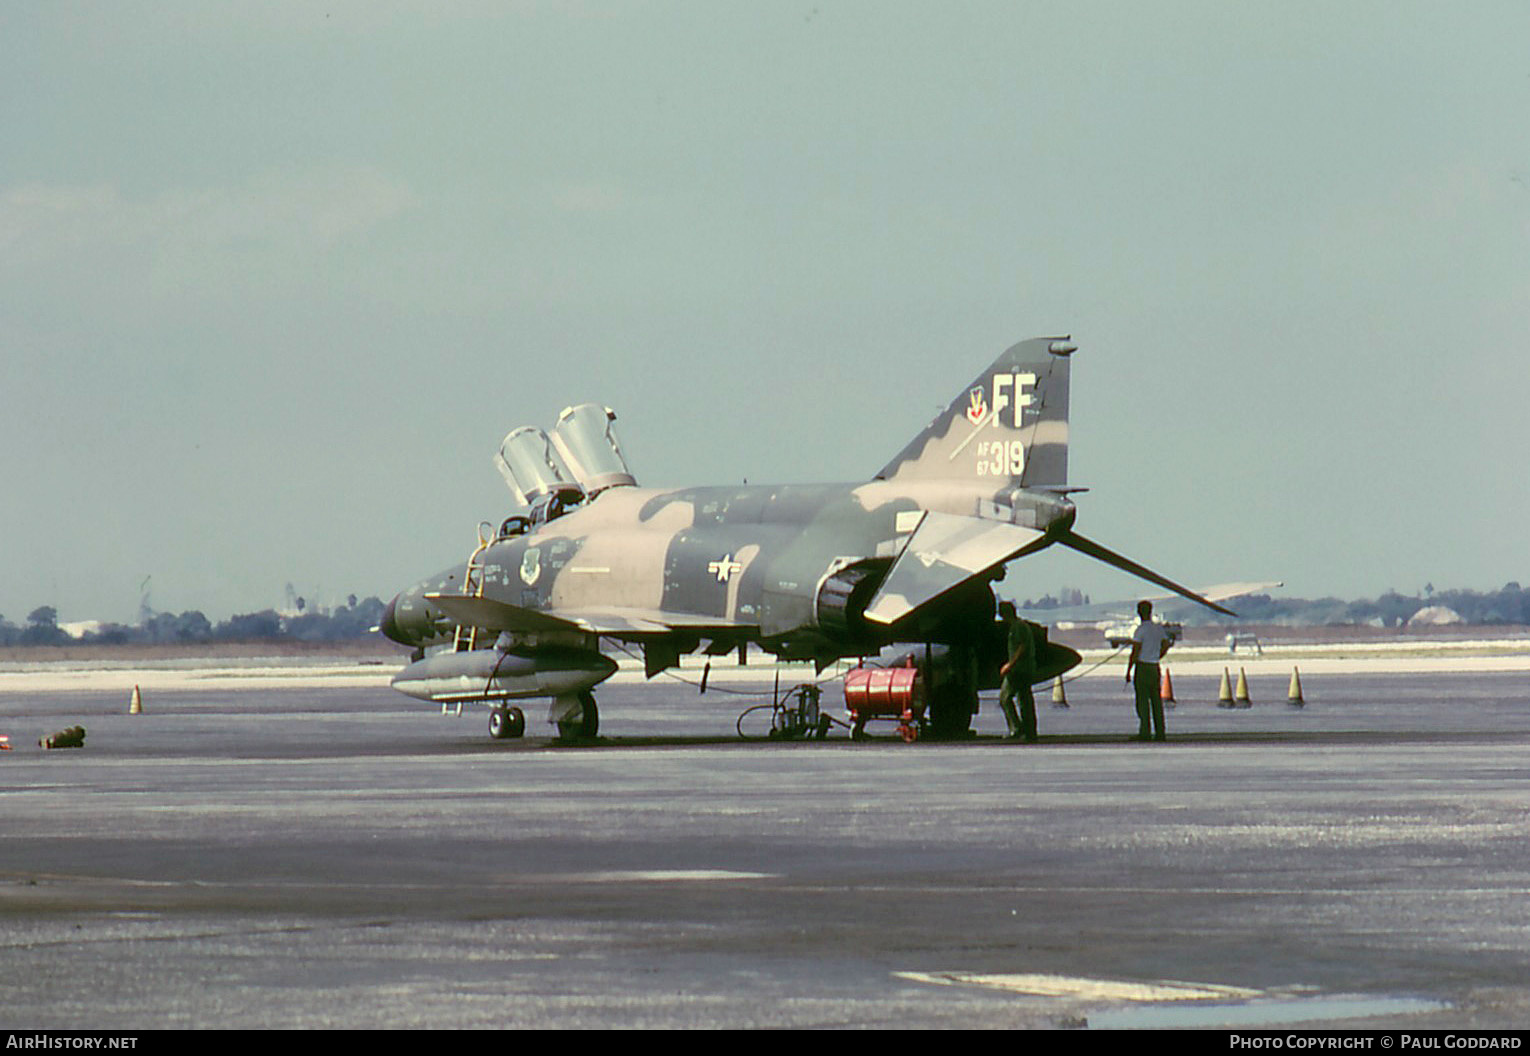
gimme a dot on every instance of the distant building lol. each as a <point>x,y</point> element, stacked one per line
<point>1435,616</point>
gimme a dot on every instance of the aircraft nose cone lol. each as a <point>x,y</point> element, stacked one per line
<point>389,624</point>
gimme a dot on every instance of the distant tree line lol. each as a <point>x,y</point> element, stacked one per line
<point>353,620</point>
<point>1064,598</point>
<point>1508,605</point>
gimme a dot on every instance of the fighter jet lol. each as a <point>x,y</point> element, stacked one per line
<point>815,572</point>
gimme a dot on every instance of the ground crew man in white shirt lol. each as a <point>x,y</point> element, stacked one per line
<point>1149,642</point>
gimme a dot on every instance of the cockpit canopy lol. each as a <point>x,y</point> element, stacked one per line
<point>585,437</point>
<point>530,466</point>
<point>581,459</point>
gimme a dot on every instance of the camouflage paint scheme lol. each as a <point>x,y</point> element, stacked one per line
<point>804,571</point>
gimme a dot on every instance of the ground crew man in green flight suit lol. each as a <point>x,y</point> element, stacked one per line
<point>1018,672</point>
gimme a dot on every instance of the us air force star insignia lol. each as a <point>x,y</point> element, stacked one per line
<point>725,568</point>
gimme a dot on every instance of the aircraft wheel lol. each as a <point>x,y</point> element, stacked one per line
<point>587,726</point>
<point>505,723</point>
<point>951,712</point>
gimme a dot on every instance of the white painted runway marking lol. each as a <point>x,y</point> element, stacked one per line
<point>663,876</point>
<point>1085,989</point>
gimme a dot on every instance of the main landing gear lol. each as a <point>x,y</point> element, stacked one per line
<point>582,725</point>
<point>577,719</point>
<point>505,723</point>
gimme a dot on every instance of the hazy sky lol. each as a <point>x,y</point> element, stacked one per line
<point>276,278</point>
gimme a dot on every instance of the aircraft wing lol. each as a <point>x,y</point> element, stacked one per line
<point>945,551</point>
<point>471,611</point>
<point>620,622</point>
<point>468,610</point>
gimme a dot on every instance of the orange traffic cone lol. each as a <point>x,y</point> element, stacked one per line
<point>1294,695</point>
<point>1166,687</point>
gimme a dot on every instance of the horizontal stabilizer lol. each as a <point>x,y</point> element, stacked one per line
<point>1224,591</point>
<point>1104,613</point>
<point>1110,557</point>
<point>945,551</point>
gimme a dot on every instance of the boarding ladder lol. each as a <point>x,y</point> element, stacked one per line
<point>472,586</point>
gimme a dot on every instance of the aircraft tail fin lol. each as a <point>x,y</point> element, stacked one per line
<point>1009,423</point>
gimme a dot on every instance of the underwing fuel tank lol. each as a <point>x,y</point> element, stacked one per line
<point>489,674</point>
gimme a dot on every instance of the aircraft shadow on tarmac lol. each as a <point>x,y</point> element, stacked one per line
<point>478,746</point>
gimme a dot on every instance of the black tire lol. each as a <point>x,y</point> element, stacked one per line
<point>505,723</point>
<point>587,726</point>
<point>952,692</point>
<point>951,710</point>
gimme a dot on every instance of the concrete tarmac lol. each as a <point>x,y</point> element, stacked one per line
<point>346,857</point>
